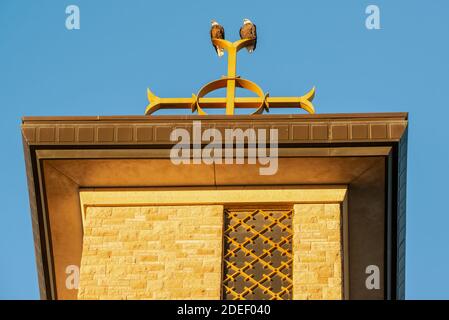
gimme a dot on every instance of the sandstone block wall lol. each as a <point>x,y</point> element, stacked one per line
<point>166,252</point>
<point>317,252</point>
<point>175,252</point>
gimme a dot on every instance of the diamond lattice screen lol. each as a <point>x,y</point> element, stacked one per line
<point>258,254</point>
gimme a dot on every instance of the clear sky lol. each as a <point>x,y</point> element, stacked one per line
<point>123,47</point>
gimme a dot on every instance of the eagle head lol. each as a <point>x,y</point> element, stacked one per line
<point>213,23</point>
<point>245,21</point>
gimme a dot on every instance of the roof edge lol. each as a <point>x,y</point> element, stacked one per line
<point>322,116</point>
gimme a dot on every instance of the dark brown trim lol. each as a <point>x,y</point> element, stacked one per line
<point>263,118</point>
<point>388,218</point>
<point>51,291</point>
<point>153,131</point>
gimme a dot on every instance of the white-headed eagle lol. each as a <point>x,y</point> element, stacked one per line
<point>248,31</point>
<point>217,32</point>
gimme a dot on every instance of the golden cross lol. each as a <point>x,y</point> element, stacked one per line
<point>262,102</point>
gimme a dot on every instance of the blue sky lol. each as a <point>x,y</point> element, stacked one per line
<point>123,47</point>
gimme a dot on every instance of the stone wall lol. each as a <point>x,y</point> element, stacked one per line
<point>166,252</point>
<point>175,251</point>
<point>317,248</point>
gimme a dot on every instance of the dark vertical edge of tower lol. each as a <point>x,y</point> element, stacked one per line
<point>36,224</point>
<point>401,215</point>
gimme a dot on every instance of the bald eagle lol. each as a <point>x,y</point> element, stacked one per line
<point>248,31</point>
<point>217,32</point>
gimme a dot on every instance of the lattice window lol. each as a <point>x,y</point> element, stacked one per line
<point>258,254</point>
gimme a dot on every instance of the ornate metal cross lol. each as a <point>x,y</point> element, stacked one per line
<point>198,102</point>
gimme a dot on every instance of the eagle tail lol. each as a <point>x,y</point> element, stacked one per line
<point>220,52</point>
